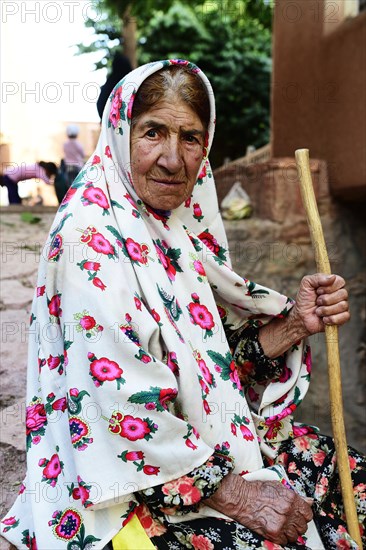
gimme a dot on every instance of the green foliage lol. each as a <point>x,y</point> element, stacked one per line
<point>142,9</point>
<point>234,50</point>
<point>29,217</point>
<point>229,40</point>
<point>107,28</point>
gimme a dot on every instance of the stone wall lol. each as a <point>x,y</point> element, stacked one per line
<point>272,185</point>
<point>274,248</point>
<point>278,255</point>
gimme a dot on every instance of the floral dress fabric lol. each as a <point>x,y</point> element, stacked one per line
<point>309,461</point>
<point>310,464</point>
<point>131,381</point>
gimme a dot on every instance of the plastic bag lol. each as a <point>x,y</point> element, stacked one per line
<point>237,204</point>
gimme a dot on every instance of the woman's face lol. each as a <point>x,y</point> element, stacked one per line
<point>166,152</point>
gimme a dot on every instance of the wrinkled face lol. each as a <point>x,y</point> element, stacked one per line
<point>166,152</point>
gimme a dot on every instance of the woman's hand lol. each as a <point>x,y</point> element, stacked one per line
<point>321,300</point>
<point>266,507</point>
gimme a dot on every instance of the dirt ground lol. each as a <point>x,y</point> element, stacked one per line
<point>21,242</point>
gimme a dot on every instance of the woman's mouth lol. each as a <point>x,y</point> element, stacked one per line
<point>167,181</point>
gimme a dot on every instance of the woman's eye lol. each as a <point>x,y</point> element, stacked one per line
<point>190,138</point>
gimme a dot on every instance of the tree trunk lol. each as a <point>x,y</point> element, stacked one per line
<point>129,37</point>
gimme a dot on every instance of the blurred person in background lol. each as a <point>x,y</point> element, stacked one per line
<point>15,173</point>
<point>71,163</point>
<point>74,155</point>
<point>120,67</point>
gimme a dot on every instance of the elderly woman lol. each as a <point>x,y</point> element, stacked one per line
<point>161,384</point>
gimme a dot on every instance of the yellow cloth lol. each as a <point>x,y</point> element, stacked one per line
<point>132,537</point>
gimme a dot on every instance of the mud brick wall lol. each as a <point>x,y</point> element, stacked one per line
<point>272,186</point>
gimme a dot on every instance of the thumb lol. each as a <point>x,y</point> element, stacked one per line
<point>320,279</point>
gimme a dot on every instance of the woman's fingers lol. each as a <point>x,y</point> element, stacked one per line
<point>305,508</point>
<point>326,283</point>
<point>336,320</point>
<point>339,307</point>
<point>292,533</point>
<point>298,524</point>
<point>335,313</point>
<point>332,303</point>
<point>328,299</point>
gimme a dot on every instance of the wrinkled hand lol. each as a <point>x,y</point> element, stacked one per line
<point>321,300</point>
<point>277,513</point>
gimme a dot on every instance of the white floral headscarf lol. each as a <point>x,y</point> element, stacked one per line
<point>130,378</point>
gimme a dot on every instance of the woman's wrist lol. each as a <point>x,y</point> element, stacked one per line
<point>236,498</point>
<point>228,498</point>
<point>280,334</point>
<point>252,364</point>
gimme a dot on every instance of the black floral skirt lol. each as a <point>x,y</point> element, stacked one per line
<point>310,463</point>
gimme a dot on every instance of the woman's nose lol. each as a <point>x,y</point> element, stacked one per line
<point>171,156</point>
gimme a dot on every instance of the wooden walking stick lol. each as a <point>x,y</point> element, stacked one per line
<point>331,336</point>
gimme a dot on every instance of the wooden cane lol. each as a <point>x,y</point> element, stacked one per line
<point>331,336</point>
